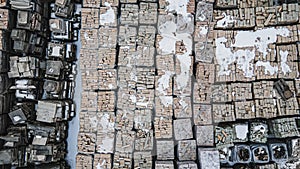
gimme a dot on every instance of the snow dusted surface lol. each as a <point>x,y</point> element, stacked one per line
<point>246,43</point>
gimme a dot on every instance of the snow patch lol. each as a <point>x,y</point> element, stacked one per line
<point>166,100</point>
<point>109,16</point>
<point>252,40</point>
<point>224,22</point>
<point>284,67</point>
<point>268,67</point>
<point>163,82</point>
<point>180,6</point>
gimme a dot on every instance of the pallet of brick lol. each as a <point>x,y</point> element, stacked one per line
<point>164,6</point>
<point>182,107</point>
<point>145,98</point>
<point>266,108</point>
<point>122,160</point>
<point>145,78</point>
<point>223,113</point>
<point>107,79</point>
<point>127,56</point>
<point>86,143</point>
<point>107,37</point>
<point>89,38</point>
<point>287,52</point>
<point>269,56</point>
<point>4,18</point>
<point>182,129</point>
<point>89,80</point>
<point>164,106</point>
<point>144,140</point>
<point>148,13</point>
<point>186,150</point>
<point>127,77</point>
<point>143,119</point>
<point>205,135</point>
<point>91,3</point>
<point>124,120</point>
<point>241,91</point>
<point>212,155</point>
<point>127,36</point>
<point>125,141</point>
<point>90,18</point>
<point>106,101</point>
<point>165,63</point>
<point>144,56</point>
<point>89,101</point>
<point>222,93</point>
<point>204,11</point>
<point>228,77</point>
<point>205,73</point>
<point>88,59</point>
<point>164,84</point>
<point>164,165</point>
<point>287,108</point>
<point>88,122</point>
<point>202,93</point>
<point>202,114</point>
<point>114,3</point>
<point>108,15</point>
<point>126,99</point>
<point>128,1</point>
<point>163,127</point>
<point>226,4</point>
<point>129,14</point>
<point>182,87</point>
<point>105,142</point>
<point>245,110</point>
<point>288,70</point>
<point>142,159</point>
<point>204,32</point>
<point>146,35</point>
<point>187,164</point>
<point>291,37</point>
<point>263,89</point>
<point>165,149</point>
<point>102,160</point>
<point>106,58</point>
<point>266,70</point>
<point>289,13</point>
<point>84,161</point>
<point>106,121</point>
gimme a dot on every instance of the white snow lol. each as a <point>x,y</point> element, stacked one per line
<point>203,30</point>
<point>260,38</point>
<point>268,67</point>
<point>180,6</point>
<point>109,16</point>
<point>183,103</point>
<point>225,57</point>
<point>166,100</point>
<point>106,123</point>
<point>163,82</point>
<point>107,145</point>
<point>132,98</point>
<point>284,67</point>
<point>246,43</point>
<point>168,45</point>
